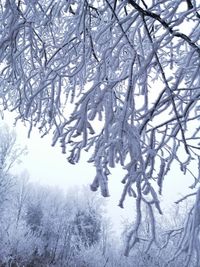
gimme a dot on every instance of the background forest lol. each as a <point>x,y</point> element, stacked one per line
<point>43,226</point>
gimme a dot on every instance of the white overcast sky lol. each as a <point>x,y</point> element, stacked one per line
<point>46,165</point>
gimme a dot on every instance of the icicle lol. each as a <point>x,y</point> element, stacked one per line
<point>95,184</point>
<point>161,175</point>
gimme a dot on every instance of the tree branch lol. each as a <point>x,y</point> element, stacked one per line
<point>147,13</point>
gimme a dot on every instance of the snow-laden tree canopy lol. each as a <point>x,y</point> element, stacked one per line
<point>132,71</point>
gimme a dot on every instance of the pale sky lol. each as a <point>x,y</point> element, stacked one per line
<point>46,165</point>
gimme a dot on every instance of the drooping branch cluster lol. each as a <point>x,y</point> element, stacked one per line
<point>131,68</point>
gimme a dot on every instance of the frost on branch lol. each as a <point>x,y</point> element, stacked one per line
<point>130,69</point>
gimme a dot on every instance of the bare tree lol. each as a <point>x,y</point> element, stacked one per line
<point>10,153</point>
<point>131,69</point>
